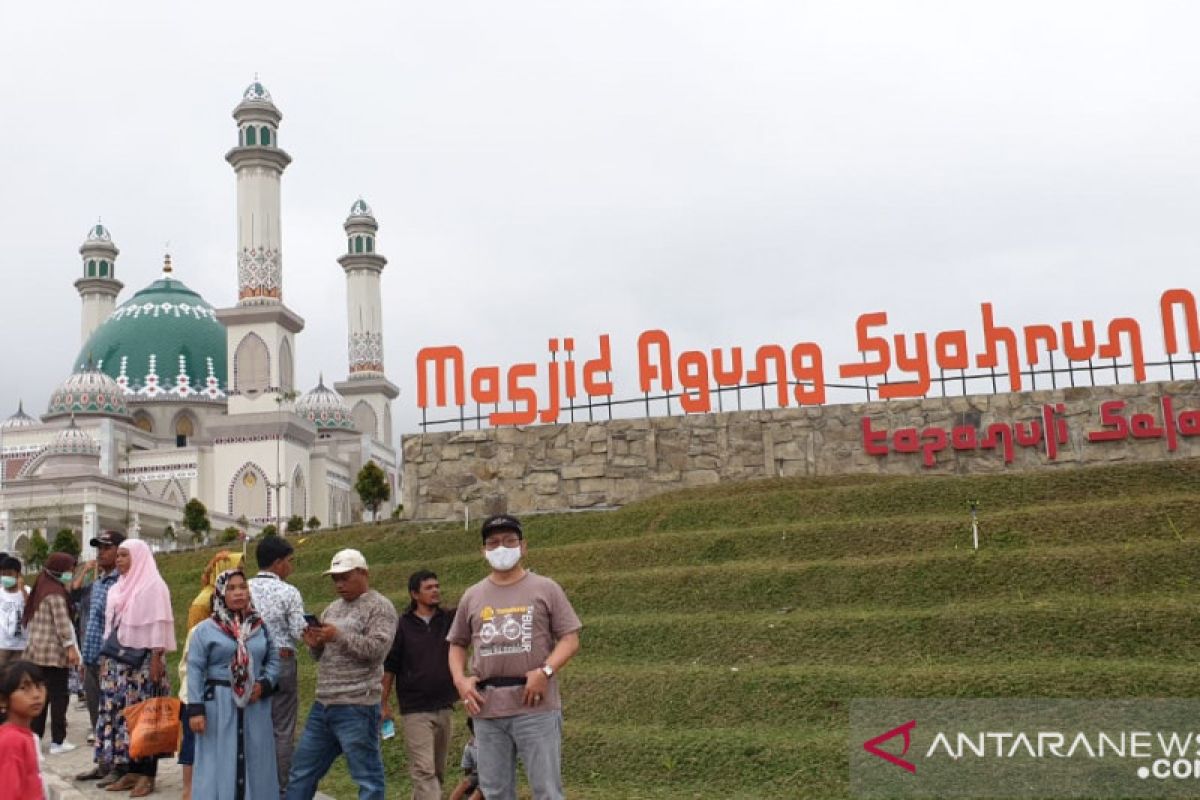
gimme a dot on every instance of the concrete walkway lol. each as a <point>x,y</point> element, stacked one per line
<point>59,771</point>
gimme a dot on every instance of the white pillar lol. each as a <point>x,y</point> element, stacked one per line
<point>135,527</point>
<point>6,532</point>
<point>91,527</point>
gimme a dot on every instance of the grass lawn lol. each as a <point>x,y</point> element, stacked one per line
<point>726,629</point>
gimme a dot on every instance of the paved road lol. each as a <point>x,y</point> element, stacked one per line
<point>61,769</point>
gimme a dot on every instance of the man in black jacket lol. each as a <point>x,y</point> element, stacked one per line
<point>418,666</point>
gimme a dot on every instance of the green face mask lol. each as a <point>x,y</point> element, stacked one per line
<point>7,581</point>
<point>66,577</point>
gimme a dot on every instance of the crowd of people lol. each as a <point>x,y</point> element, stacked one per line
<point>110,624</point>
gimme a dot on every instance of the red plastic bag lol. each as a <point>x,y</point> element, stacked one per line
<point>153,727</point>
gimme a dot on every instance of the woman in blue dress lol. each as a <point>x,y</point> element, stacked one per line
<point>231,670</point>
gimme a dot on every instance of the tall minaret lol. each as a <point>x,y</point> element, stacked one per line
<point>98,288</point>
<point>367,390</point>
<point>261,329</point>
<point>259,163</point>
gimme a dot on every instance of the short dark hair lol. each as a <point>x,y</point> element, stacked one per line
<point>414,585</point>
<point>8,562</point>
<point>12,675</point>
<point>271,549</point>
<point>417,578</point>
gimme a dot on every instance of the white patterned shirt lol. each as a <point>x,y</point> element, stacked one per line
<point>281,608</point>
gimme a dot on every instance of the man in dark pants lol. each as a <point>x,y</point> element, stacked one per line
<point>106,545</point>
<point>418,664</point>
<point>282,610</point>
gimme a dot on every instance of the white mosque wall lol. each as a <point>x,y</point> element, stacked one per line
<point>252,391</point>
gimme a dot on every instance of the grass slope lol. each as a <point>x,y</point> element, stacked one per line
<point>726,629</point>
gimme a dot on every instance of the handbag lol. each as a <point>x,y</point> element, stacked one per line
<point>130,656</point>
<point>153,726</point>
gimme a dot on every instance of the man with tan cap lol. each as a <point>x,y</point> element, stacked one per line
<point>349,644</point>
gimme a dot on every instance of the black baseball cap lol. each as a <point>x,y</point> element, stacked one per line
<point>502,522</point>
<point>108,539</point>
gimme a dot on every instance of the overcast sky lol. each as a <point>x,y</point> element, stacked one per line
<point>732,172</point>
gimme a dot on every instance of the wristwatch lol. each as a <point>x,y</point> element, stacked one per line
<point>548,670</point>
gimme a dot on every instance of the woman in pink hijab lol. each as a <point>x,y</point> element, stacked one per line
<point>138,614</point>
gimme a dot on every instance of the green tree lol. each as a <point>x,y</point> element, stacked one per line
<point>372,487</point>
<point>270,530</point>
<point>295,523</point>
<point>313,523</point>
<point>65,542</point>
<point>195,519</point>
<point>230,534</point>
<point>36,551</point>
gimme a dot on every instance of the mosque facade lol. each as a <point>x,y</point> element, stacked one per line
<point>170,398</point>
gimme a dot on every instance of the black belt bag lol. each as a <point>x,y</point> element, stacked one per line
<point>129,656</point>
<point>498,683</point>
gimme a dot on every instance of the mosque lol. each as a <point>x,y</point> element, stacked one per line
<point>171,399</point>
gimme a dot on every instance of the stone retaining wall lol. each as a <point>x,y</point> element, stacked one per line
<point>596,464</point>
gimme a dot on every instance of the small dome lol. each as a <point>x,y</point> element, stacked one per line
<point>88,391</point>
<point>71,441</point>
<point>361,209</point>
<point>326,409</point>
<point>19,419</point>
<point>98,233</point>
<point>256,93</point>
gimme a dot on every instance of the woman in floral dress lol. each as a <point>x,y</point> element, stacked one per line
<point>139,612</point>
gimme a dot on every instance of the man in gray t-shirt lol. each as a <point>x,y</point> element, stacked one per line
<point>350,645</point>
<point>521,630</point>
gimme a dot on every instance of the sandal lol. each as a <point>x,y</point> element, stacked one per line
<point>144,787</point>
<point>112,777</point>
<point>123,784</point>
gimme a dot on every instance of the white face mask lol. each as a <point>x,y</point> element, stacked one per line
<point>503,559</point>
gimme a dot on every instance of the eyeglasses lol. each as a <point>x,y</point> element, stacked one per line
<point>507,541</point>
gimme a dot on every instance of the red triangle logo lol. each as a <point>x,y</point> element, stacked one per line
<point>905,730</point>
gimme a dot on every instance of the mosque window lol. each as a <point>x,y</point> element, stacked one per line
<point>286,367</point>
<point>370,244</point>
<point>251,366</point>
<point>184,430</point>
<point>358,244</point>
<point>103,269</point>
<point>266,136</point>
<point>143,421</point>
<point>365,419</point>
<point>251,137</point>
<point>91,268</point>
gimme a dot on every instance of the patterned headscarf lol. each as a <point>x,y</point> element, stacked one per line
<point>239,626</point>
<point>201,607</point>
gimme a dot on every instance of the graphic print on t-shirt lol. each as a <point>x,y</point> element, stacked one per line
<point>12,635</point>
<point>506,631</point>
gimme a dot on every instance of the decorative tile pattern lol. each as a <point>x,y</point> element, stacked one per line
<point>259,276</point>
<point>366,352</point>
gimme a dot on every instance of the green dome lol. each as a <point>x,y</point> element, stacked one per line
<point>164,343</point>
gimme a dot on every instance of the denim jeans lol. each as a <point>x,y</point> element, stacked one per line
<point>536,738</point>
<point>330,731</point>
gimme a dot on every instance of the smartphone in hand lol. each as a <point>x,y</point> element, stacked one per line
<point>388,729</point>
<point>312,620</point>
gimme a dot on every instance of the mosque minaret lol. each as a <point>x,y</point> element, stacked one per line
<point>367,385</point>
<point>171,399</point>
<point>98,288</point>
